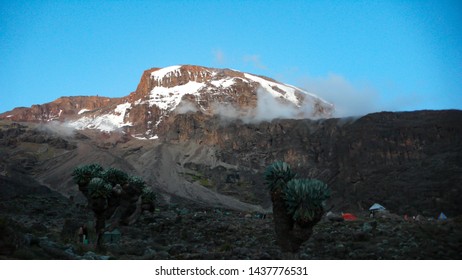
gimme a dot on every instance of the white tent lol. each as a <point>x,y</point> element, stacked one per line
<point>377,207</point>
<point>442,216</point>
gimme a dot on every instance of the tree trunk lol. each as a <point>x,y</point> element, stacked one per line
<point>289,235</point>
<point>99,227</point>
<point>283,223</point>
<point>84,189</point>
<point>99,206</point>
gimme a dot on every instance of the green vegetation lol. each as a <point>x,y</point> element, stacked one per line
<point>198,177</point>
<point>136,182</point>
<point>298,204</point>
<point>99,188</point>
<point>148,196</point>
<point>107,190</point>
<point>277,175</point>
<point>115,176</point>
<point>305,199</point>
<point>83,174</point>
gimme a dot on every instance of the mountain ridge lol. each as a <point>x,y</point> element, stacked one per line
<point>161,91</point>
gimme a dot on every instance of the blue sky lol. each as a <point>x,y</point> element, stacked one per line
<point>363,56</point>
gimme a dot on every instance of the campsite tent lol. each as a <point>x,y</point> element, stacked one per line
<point>349,217</point>
<point>377,207</point>
<point>442,216</point>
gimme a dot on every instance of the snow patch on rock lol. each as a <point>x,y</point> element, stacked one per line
<point>106,122</point>
<point>82,111</point>
<point>166,72</point>
<point>168,98</point>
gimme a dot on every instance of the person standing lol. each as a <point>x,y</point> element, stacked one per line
<point>80,233</point>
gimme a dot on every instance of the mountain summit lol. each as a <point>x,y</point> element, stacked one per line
<point>165,92</point>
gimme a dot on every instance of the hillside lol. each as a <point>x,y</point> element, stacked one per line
<point>200,138</point>
<point>410,162</point>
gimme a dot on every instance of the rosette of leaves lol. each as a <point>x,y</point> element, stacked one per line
<point>304,199</point>
<point>277,175</point>
<point>83,174</point>
<point>115,176</point>
<point>136,182</point>
<point>99,188</point>
<point>148,196</point>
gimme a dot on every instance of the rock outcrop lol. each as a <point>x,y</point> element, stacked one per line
<point>410,161</point>
<point>60,109</point>
<point>165,92</point>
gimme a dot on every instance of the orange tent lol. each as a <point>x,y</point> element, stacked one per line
<point>349,217</point>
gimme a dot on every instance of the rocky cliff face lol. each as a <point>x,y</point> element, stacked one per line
<point>166,92</point>
<point>60,109</point>
<point>411,162</point>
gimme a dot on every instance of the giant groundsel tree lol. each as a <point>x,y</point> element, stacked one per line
<point>112,194</point>
<point>298,205</point>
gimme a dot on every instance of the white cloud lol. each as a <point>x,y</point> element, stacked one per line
<point>186,106</point>
<point>57,127</point>
<point>268,108</point>
<point>349,99</point>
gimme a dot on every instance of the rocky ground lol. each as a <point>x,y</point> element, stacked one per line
<point>44,227</point>
<point>37,222</point>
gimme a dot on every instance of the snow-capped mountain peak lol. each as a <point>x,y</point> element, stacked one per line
<point>164,92</point>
